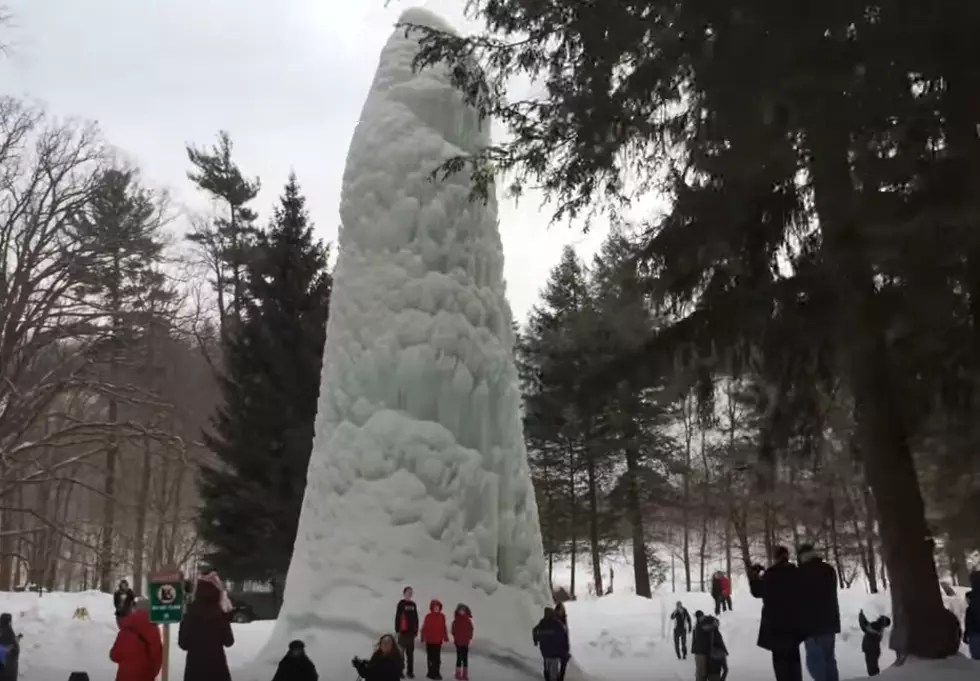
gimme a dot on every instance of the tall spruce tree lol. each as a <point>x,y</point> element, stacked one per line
<point>263,432</point>
<point>229,241</point>
<point>122,282</point>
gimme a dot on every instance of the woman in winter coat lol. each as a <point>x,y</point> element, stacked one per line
<point>138,649</point>
<point>11,641</point>
<point>385,664</point>
<point>205,632</point>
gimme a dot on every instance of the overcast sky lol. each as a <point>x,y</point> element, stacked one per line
<point>286,79</point>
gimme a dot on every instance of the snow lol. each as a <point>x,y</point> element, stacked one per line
<point>615,638</point>
<point>418,474</point>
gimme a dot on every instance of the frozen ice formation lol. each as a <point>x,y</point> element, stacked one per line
<point>419,474</point>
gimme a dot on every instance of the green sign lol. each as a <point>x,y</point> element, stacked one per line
<point>166,598</point>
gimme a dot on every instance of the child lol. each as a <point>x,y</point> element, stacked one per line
<point>551,637</point>
<point>462,631</point>
<point>708,648</point>
<point>385,664</point>
<point>871,643</point>
<point>434,634</point>
<point>407,628</point>
<point>971,622</point>
<point>296,666</point>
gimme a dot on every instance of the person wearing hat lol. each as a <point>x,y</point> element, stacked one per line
<point>819,613</point>
<point>296,666</point>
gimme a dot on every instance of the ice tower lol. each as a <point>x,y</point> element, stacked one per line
<point>419,474</point>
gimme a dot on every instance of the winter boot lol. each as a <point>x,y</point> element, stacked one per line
<point>466,674</point>
<point>459,673</point>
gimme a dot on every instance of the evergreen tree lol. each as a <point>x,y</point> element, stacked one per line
<point>263,432</point>
<point>121,281</point>
<point>230,240</point>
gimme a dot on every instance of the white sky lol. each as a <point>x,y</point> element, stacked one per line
<point>286,79</point>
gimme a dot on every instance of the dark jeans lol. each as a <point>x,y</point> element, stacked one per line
<point>433,656</point>
<point>786,664</point>
<point>726,603</point>
<point>724,668</point>
<point>407,644</point>
<point>563,668</point>
<point>871,662</point>
<point>462,657</point>
<point>821,659</point>
<point>680,643</point>
<point>552,668</point>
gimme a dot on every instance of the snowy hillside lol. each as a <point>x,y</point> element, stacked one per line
<point>418,474</point>
<point>615,638</point>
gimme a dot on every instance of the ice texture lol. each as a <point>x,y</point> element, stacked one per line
<point>419,473</point>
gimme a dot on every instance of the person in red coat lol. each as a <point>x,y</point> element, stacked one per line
<point>726,592</point>
<point>462,631</point>
<point>434,633</point>
<point>138,649</point>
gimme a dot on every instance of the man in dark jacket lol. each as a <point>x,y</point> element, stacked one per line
<point>709,650</point>
<point>682,625</point>
<point>551,638</point>
<point>819,614</point>
<point>407,628</point>
<point>779,629</point>
<point>123,600</point>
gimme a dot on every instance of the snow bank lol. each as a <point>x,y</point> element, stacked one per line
<point>55,643</point>
<point>419,473</point>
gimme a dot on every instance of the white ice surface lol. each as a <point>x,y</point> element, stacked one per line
<point>419,473</point>
<point>615,638</point>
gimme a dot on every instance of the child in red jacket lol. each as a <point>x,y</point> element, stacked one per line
<point>434,633</point>
<point>462,636</point>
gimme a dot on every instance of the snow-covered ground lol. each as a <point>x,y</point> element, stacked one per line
<point>615,638</point>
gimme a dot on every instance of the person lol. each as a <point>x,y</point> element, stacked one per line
<point>779,629</point>
<point>462,631</point>
<point>551,638</point>
<point>716,592</point>
<point>407,628</point>
<point>971,624</point>
<point>708,648</point>
<point>205,632</point>
<point>123,599</point>
<point>563,618</point>
<point>819,613</point>
<point>434,634</point>
<point>385,663</point>
<point>138,648</point>
<point>726,591</point>
<point>10,647</point>
<point>871,643</point>
<point>295,665</point>
<point>682,627</point>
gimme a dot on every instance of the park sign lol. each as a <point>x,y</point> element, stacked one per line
<point>166,596</point>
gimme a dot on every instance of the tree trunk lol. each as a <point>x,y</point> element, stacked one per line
<point>869,538</point>
<point>688,435</point>
<point>572,517</point>
<point>142,509</point>
<point>834,539</point>
<point>641,571</point>
<point>593,495</point>
<point>922,624</point>
<point>109,500</point>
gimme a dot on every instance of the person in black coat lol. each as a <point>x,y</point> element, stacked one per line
<point>709,650</point>
<point>10,640</point>
<point>871,643</point>
<point>296,666</point>
<point>551,638</point>
<point>682,626</point>
<point>385,664</point>
<point>779,629</point>
<point>204,633</point>
<point>819,613</point>
<point>562,616</point>
<point>123,600</point>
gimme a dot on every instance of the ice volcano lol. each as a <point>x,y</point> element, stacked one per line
<point>419,473</point>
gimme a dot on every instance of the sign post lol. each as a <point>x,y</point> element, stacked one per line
<point>166,606</point>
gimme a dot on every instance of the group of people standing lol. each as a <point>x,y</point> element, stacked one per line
<point>707,644</point>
